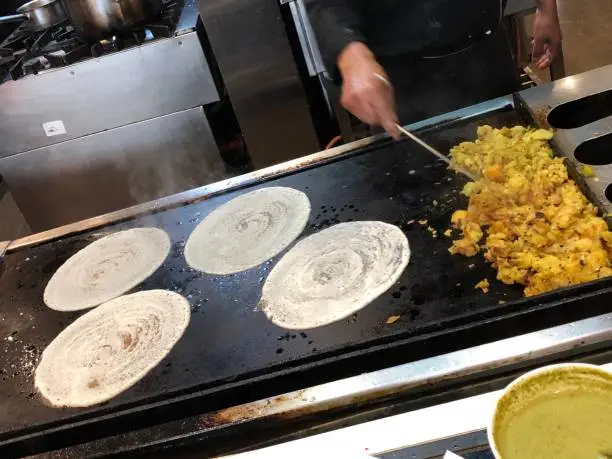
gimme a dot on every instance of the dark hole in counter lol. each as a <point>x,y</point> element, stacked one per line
<point>582,111</point>
<point>609,192</point>
<point>596,151</point>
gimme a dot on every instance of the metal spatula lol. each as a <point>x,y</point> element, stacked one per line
<point>435,152</point>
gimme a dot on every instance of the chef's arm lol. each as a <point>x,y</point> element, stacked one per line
<point>546,33</point>
<point>366,88</point>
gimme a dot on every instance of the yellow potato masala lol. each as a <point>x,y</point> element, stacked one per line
<point>528,217</point>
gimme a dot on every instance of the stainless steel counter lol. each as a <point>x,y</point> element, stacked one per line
<point>252,50</point>
<point>444,421</point>
<point>523,350</point>
<point>99,94</point>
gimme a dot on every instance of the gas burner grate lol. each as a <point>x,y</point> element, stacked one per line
<point>25,52</point>
<point>6,56</point>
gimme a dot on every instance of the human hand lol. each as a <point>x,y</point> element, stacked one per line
<point>366,89</point>
<point>546,37</point>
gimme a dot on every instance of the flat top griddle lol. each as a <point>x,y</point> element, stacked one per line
<point>229,340</point>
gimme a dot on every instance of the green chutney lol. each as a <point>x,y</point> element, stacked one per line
<point>562,414</point>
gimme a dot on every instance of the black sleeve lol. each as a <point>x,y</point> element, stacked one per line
<point>336,23</point>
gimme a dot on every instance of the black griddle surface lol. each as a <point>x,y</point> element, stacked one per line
<point>229,339</point>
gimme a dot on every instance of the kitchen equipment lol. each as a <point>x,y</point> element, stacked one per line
<point>432,150</point>
<point>96,19</point>
<point>26,52</point>
<point>439,309</point>
<point>590,135</point>
<point>38,14</point>
<point>161,141</point>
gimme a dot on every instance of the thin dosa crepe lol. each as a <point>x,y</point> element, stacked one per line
<point>111,348</point>
<point>107,268</point>
<point>248,230</point>
<point>334,273</point>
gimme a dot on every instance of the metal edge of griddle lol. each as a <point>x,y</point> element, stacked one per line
<point>561,148</point>
<point>407,380</point>
<point>547,96</point>
<point>252,178</point>
<point>426,372</point>
<point>541,100</point>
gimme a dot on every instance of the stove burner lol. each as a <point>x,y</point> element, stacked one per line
<point>6,57</point>
<point>35,65</point>
<point>28,53</point>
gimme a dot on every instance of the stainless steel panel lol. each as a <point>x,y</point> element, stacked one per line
<point>189,18</point>
<point>512,7</point>
<point>568,141</point>
<point>542,99</point>
<point>519,6</point>
<point>112,170</point>
<point>155,79</point>
<point>251,46</point>
<point>458,425</point>
<point>436,371</point>
<point>548,96</point>
<point>308,41</point>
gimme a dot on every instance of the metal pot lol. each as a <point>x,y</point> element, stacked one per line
<point>38,14</point>
<point>96,19</point>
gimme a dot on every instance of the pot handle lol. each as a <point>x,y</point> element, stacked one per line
<point>13,18</point>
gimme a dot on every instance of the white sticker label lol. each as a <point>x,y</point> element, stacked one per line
<point>53,128</point>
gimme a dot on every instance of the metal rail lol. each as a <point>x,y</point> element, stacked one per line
<point>411,379</point>
<point>432,372</point>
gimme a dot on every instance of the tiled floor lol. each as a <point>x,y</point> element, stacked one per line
<point>587,30</point>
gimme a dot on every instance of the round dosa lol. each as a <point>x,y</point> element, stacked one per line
<point>334,273</point>
<point>107,268</point>
<point>248,230</point>
<point>111,348</point>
